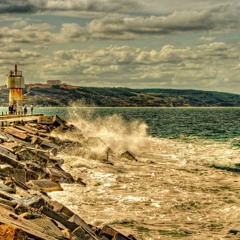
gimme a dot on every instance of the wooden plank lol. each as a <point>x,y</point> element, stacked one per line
<point>44,185</point>
<point>36,140</point>
<point>35,201</point>
<point>34,230</point>
<point>5,188</point>
<point>58,121</point>
<point>43,155</point>
<point>49,145</point>
<point>58,174</point>
<point>27,129</point>
<point>59,207</point>
<point>80,222</point>
<point>48,120</point>
<point>59,218</point>
<point>10,117</point>
<point>7,137</point>
<point>12,146</point>
<point>6,152</point>
<point>50,228</point>
<point>19,175</point>
<point>7,196</point>
<point>109,232</point>
<point>16,133</point>
<point>11,161</point>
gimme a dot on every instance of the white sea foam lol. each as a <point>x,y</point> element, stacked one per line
<point>169,187</point>
<point>120,135</point>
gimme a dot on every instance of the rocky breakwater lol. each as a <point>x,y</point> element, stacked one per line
<point>29,169</point>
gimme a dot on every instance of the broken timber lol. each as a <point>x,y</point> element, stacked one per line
<point>6,120</point>
<point>29,169</point>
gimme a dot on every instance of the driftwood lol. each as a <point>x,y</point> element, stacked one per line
<point>31,229</point>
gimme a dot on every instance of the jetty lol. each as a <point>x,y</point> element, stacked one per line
<point>29,169</point>
<point>6,120</point>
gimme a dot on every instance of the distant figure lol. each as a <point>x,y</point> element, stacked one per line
<point>20,109</point>
<point>10,109</point>
<point>25,109</point>
<point>14,108</point>
<point>31,107</point>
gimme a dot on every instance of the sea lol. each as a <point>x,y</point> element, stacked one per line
<point>173,189</point>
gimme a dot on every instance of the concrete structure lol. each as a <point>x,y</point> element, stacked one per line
<point>15,85</point>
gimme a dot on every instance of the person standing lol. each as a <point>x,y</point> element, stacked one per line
<point>14,108</point>
<point>25,109</point>
<point>10,109</point>
<point>31,107</point>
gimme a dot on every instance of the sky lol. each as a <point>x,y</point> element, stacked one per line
<point>174,44</point>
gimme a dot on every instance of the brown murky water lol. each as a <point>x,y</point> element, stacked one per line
<point>169,193</point>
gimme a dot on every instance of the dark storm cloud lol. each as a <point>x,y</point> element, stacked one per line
<point>17,7</point>
<point>32,6</point>
<point>221,19</point>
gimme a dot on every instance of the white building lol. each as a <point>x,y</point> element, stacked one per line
<point>54,82</point>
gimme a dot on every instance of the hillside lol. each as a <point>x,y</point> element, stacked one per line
<point>121,97</point>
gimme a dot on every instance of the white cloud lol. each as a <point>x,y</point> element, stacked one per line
<point>121,27</point>
<point>124,43</point>
<point>25,33</point>
<point>217,20</point>
<point>207,38</point>
<point>196,67</point>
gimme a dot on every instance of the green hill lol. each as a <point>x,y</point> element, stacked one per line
<point>121,97</point>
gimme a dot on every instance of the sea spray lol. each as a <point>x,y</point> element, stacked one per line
<point>170,193</point>
<point>119,134</point>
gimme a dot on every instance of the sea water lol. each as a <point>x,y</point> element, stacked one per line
<point>219,124</point>
<point>171,192</point>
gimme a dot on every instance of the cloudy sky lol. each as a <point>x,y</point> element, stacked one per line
<point>180,44</point>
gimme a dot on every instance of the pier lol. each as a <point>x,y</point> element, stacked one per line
<point>6,120</point>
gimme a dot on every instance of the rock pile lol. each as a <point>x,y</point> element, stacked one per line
<point>29,168</point>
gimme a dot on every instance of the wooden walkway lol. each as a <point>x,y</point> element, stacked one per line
<point>6,120</point>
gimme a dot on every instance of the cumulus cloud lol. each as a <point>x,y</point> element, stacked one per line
<point>94,5</point>
<point>121,27</point>
<point>23,32</point>
<point>200,67</point>
<point>17,54</point>
<point>217,20</point>
<point>161,63</point>
<point>11,55</point>
<point>156,6</point>
<point>205,66</point>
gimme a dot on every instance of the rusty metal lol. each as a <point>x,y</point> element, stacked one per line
<point>15,85</point>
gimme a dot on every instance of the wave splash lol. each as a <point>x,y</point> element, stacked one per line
<point>118,134</point>
<point>170,191</point>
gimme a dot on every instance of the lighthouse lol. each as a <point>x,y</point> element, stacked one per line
<point>15,85</point>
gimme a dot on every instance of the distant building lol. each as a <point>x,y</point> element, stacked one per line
<point>54,82</point>
<point>3,87</point>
